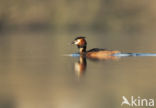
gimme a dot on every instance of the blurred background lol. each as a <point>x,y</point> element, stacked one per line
<point>35,34</point>
<point>103,15</point>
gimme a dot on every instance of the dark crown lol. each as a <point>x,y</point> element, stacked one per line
<point>80,37</point>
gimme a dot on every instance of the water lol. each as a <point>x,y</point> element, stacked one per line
<point>34,73</point>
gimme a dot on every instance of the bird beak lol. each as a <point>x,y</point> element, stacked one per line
<point>73,42</point>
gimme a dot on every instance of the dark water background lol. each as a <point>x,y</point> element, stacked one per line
<point>35,74</point>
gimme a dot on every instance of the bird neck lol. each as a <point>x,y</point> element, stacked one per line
<point>82,49</point>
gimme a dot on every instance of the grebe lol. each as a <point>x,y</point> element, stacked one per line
<point>94,53</point>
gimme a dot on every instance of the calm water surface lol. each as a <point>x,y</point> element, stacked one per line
<point>35,74</point>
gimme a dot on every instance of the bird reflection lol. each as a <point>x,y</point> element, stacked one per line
<point>81,64</point>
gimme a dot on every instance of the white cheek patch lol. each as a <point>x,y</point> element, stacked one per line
<point>77,42</point>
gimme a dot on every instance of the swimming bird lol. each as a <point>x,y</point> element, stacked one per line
<point>95,53</point>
